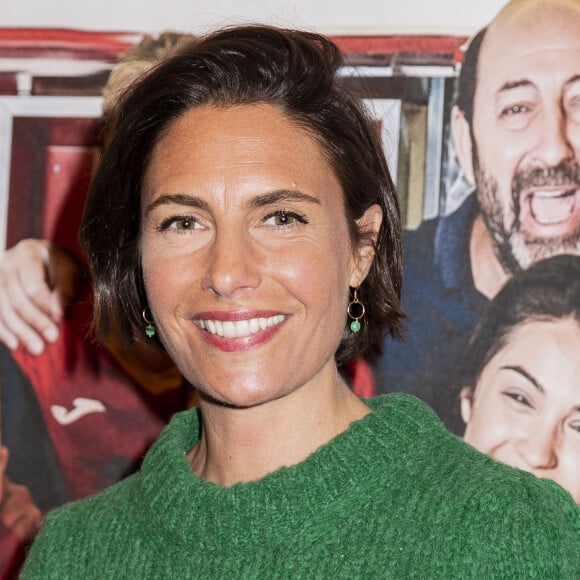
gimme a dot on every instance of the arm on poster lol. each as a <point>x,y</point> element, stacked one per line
<point>37,279</point>
<point>18,513</point>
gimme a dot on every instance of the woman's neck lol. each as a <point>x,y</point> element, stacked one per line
<point>241,445</point>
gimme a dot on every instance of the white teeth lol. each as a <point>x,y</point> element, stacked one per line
<point>239,328</point>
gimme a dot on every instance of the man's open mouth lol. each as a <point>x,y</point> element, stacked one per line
<point>552,207</point>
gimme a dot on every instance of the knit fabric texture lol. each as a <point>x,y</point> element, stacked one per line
<point>394,496</point>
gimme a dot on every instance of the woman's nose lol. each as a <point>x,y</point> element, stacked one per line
<point>232,266</point>
<point>539,449</point>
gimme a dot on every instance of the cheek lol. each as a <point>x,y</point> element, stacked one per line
<point>320,262</point>
<point>501,154</point>
<point>490,438</point>
<point>316,275</point>
<point>487,428</point>
<point>163,277</point>
<point>574,138</point>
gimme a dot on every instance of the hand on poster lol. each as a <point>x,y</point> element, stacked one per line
<point>36,280</point>
<point>19,515</point>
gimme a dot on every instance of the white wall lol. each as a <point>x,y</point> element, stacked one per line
<point>330,17</point>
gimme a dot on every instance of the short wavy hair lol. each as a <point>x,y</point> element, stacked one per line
<point>295,71</point>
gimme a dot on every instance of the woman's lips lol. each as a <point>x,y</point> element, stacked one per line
<point>233,332</point>
<point>239,328</point>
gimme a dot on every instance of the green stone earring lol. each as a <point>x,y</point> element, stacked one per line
<point>150,329</point>
<point>355,311</point>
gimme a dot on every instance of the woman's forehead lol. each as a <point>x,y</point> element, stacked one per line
<point>229,146</point>
<point>544,352</point>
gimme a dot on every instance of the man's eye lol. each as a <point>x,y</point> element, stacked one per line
<point>284,218</point>
<point>573,108</point>
<point>515,110</point>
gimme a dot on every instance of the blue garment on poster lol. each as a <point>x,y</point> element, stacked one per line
<point>443,306</point>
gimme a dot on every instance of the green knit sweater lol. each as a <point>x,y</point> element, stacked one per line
<point>395,496</point>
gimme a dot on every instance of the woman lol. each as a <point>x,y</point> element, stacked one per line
<point>245,217</point>
<point>521,402</point>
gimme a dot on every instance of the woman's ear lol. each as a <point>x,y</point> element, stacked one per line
<point>369,224</point>
<point>463,143</point>
<point>466,401</point>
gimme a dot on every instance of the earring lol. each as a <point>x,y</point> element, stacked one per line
<point>150,329</point>
<point>355,311</point>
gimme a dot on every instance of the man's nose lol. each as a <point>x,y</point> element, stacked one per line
<point>232,266</point>
<point>553,143</point>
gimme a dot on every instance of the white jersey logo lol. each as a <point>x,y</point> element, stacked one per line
<point>81,408</point>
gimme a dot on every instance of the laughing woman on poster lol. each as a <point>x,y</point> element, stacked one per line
<point>521,374</point>
<point>243,215</point>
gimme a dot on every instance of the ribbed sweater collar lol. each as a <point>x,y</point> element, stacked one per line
<point>197,514</point>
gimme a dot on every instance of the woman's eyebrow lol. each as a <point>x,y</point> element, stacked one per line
<point>525,374</point>
<point>178,199</point>
<point>258,201</point>
<point>278,196</point>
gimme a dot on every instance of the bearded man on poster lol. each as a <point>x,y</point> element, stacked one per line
<point>516,132</point>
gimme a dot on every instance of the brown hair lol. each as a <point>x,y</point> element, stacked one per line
<point>292,70</point>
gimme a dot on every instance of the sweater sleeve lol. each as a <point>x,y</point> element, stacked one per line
<point>533,532</point>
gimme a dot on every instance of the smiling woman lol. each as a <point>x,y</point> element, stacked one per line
<point>522,402</point>
<point>251,237</point>
<point>244,205</point>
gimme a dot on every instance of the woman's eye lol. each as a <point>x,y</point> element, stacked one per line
<point>518,398</point>
<point>284,218</point>
<point>182,223</point>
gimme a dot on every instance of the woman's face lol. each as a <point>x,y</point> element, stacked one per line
<point>246,254</point>
<point>526,406</point>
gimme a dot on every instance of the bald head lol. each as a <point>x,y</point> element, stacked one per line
<point>518,8</point>
<point>525,30</point>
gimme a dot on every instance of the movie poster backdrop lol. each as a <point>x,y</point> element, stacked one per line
<point>75,421</point>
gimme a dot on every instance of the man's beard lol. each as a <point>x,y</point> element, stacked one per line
<point>515,249</point>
